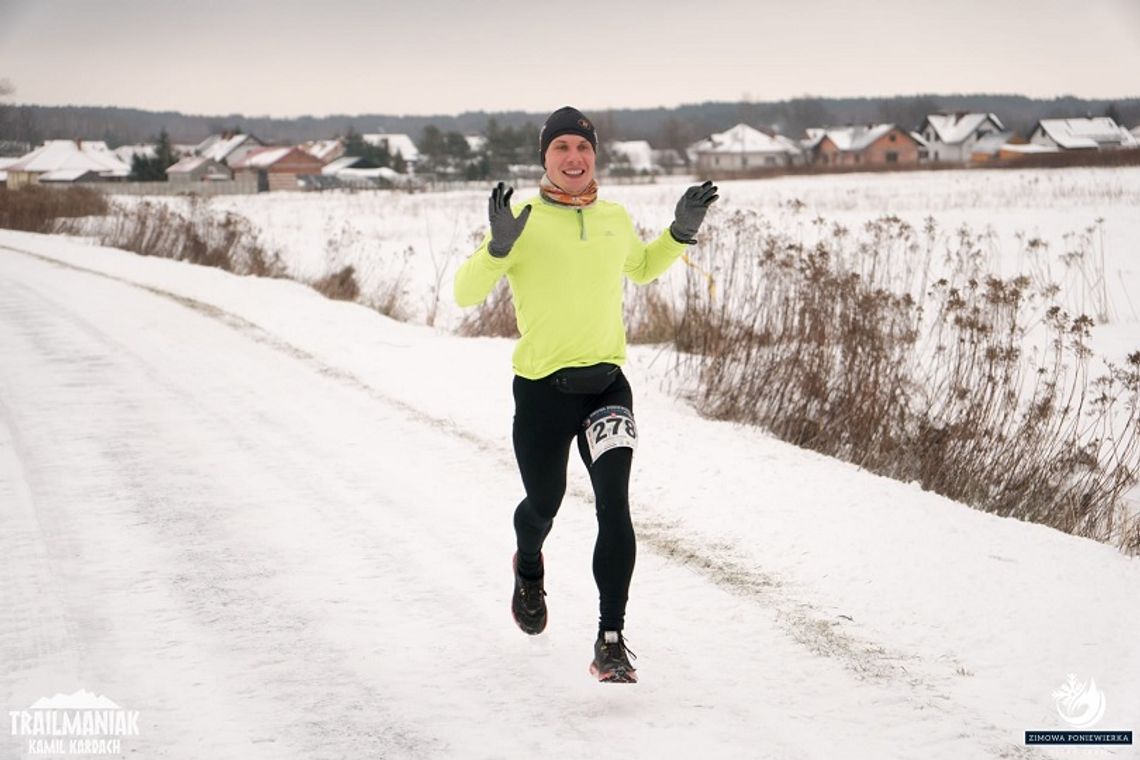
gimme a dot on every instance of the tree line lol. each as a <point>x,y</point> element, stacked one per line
<point>663,127</point>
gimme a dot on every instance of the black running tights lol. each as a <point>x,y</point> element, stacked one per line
<point>546,422</point>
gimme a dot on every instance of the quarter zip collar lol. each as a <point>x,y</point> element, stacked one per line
<point>579,213</point>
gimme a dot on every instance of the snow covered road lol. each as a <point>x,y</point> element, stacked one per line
<point>270,554</point>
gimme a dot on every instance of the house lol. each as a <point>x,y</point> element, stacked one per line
<point>743,148</point>
<point>631,157</point>
<point>395,144</point>
<point>198,169</point>
<point>357,173</point>
<point>326,150</point>
<point>67,161</point>
<point>228,148</point>
<point>476,143</point>
<point>278,168</point>
<point>989,148</point>
<point>1100,133</point>
<point>4,164</point>
<point>670,161</point>
<point>863,145</point>
<point>951,137</point>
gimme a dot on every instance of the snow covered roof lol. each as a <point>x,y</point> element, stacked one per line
<point>339,165</point>
<point>992,143</point>
<point>4,164</point>
<point>70,155</point>
<point>637,153</point>
<point>67,175</point>
<point>953,128</point>
<point>1028,148</point>
<point>260,158</point>
<point>325,150</point>
<point>345,163</point>
<point>396,143</point>
<point>382,172</point>
<point>848,138</point>
<point>127,153</point>
<point>218,147</point>
<point>477,142</point>
<point>744,139</point>
<point>1087,133</point>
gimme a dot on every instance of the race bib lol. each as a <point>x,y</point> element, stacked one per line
<point>610,427</point>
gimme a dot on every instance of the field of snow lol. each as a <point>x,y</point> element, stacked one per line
<point>278,526</point>
<point>419,240</point>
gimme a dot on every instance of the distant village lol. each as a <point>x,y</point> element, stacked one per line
<point>240,163</point>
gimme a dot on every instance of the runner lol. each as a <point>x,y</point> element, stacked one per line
<point>564,254</point>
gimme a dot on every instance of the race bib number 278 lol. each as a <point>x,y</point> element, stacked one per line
<point>610,427</point>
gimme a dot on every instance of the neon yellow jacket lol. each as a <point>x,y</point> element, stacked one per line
<point>565,273</point>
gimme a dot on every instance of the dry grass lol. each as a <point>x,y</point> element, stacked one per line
<point>156,229</point>
<point>845,347</point>
<point>339,286</point>
<point>495,317</point>
<point>35,209</point>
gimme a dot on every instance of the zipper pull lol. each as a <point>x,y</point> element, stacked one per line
<point>581,225</point>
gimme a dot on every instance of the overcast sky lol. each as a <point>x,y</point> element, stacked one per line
<point>290,58</point>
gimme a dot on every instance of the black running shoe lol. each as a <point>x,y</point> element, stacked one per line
<point>528,604</point>
<point>611,659</point>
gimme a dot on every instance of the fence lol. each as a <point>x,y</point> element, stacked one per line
<point>244,185</point>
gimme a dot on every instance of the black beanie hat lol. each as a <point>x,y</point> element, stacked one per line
<point>565,121</point>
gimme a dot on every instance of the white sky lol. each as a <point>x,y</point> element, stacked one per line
<point>289,58</point>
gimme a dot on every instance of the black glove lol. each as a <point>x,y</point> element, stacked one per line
<point>691,210</point>
<point>505,227</point>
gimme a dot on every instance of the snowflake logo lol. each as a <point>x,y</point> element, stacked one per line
<point>1079,705</point>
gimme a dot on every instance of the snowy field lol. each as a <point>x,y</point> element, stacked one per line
<point>421,239</point>
<point>280,527</point>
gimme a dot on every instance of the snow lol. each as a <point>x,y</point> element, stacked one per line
<point>325,150</point>
<point>279,526</point>
<point>71,155</point>
<point>66,175</point>
<point>1027,148</point>
<point>394,143</point>
<point>219,147</point>
<point>127,153</point>
<point>637,153</point>
<point>1072,134</point>
<point>476,142</point>
<point>954,128</point>
<point>187,165</point>
<point>262,157</point>
<point>744,139</point>
<point>851,137</point>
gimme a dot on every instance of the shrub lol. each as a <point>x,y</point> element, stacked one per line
<point>339,286</point>
<point>495,317</point>
<point>156,229</point>
<point>34,208</point>
<point>846,348</point>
